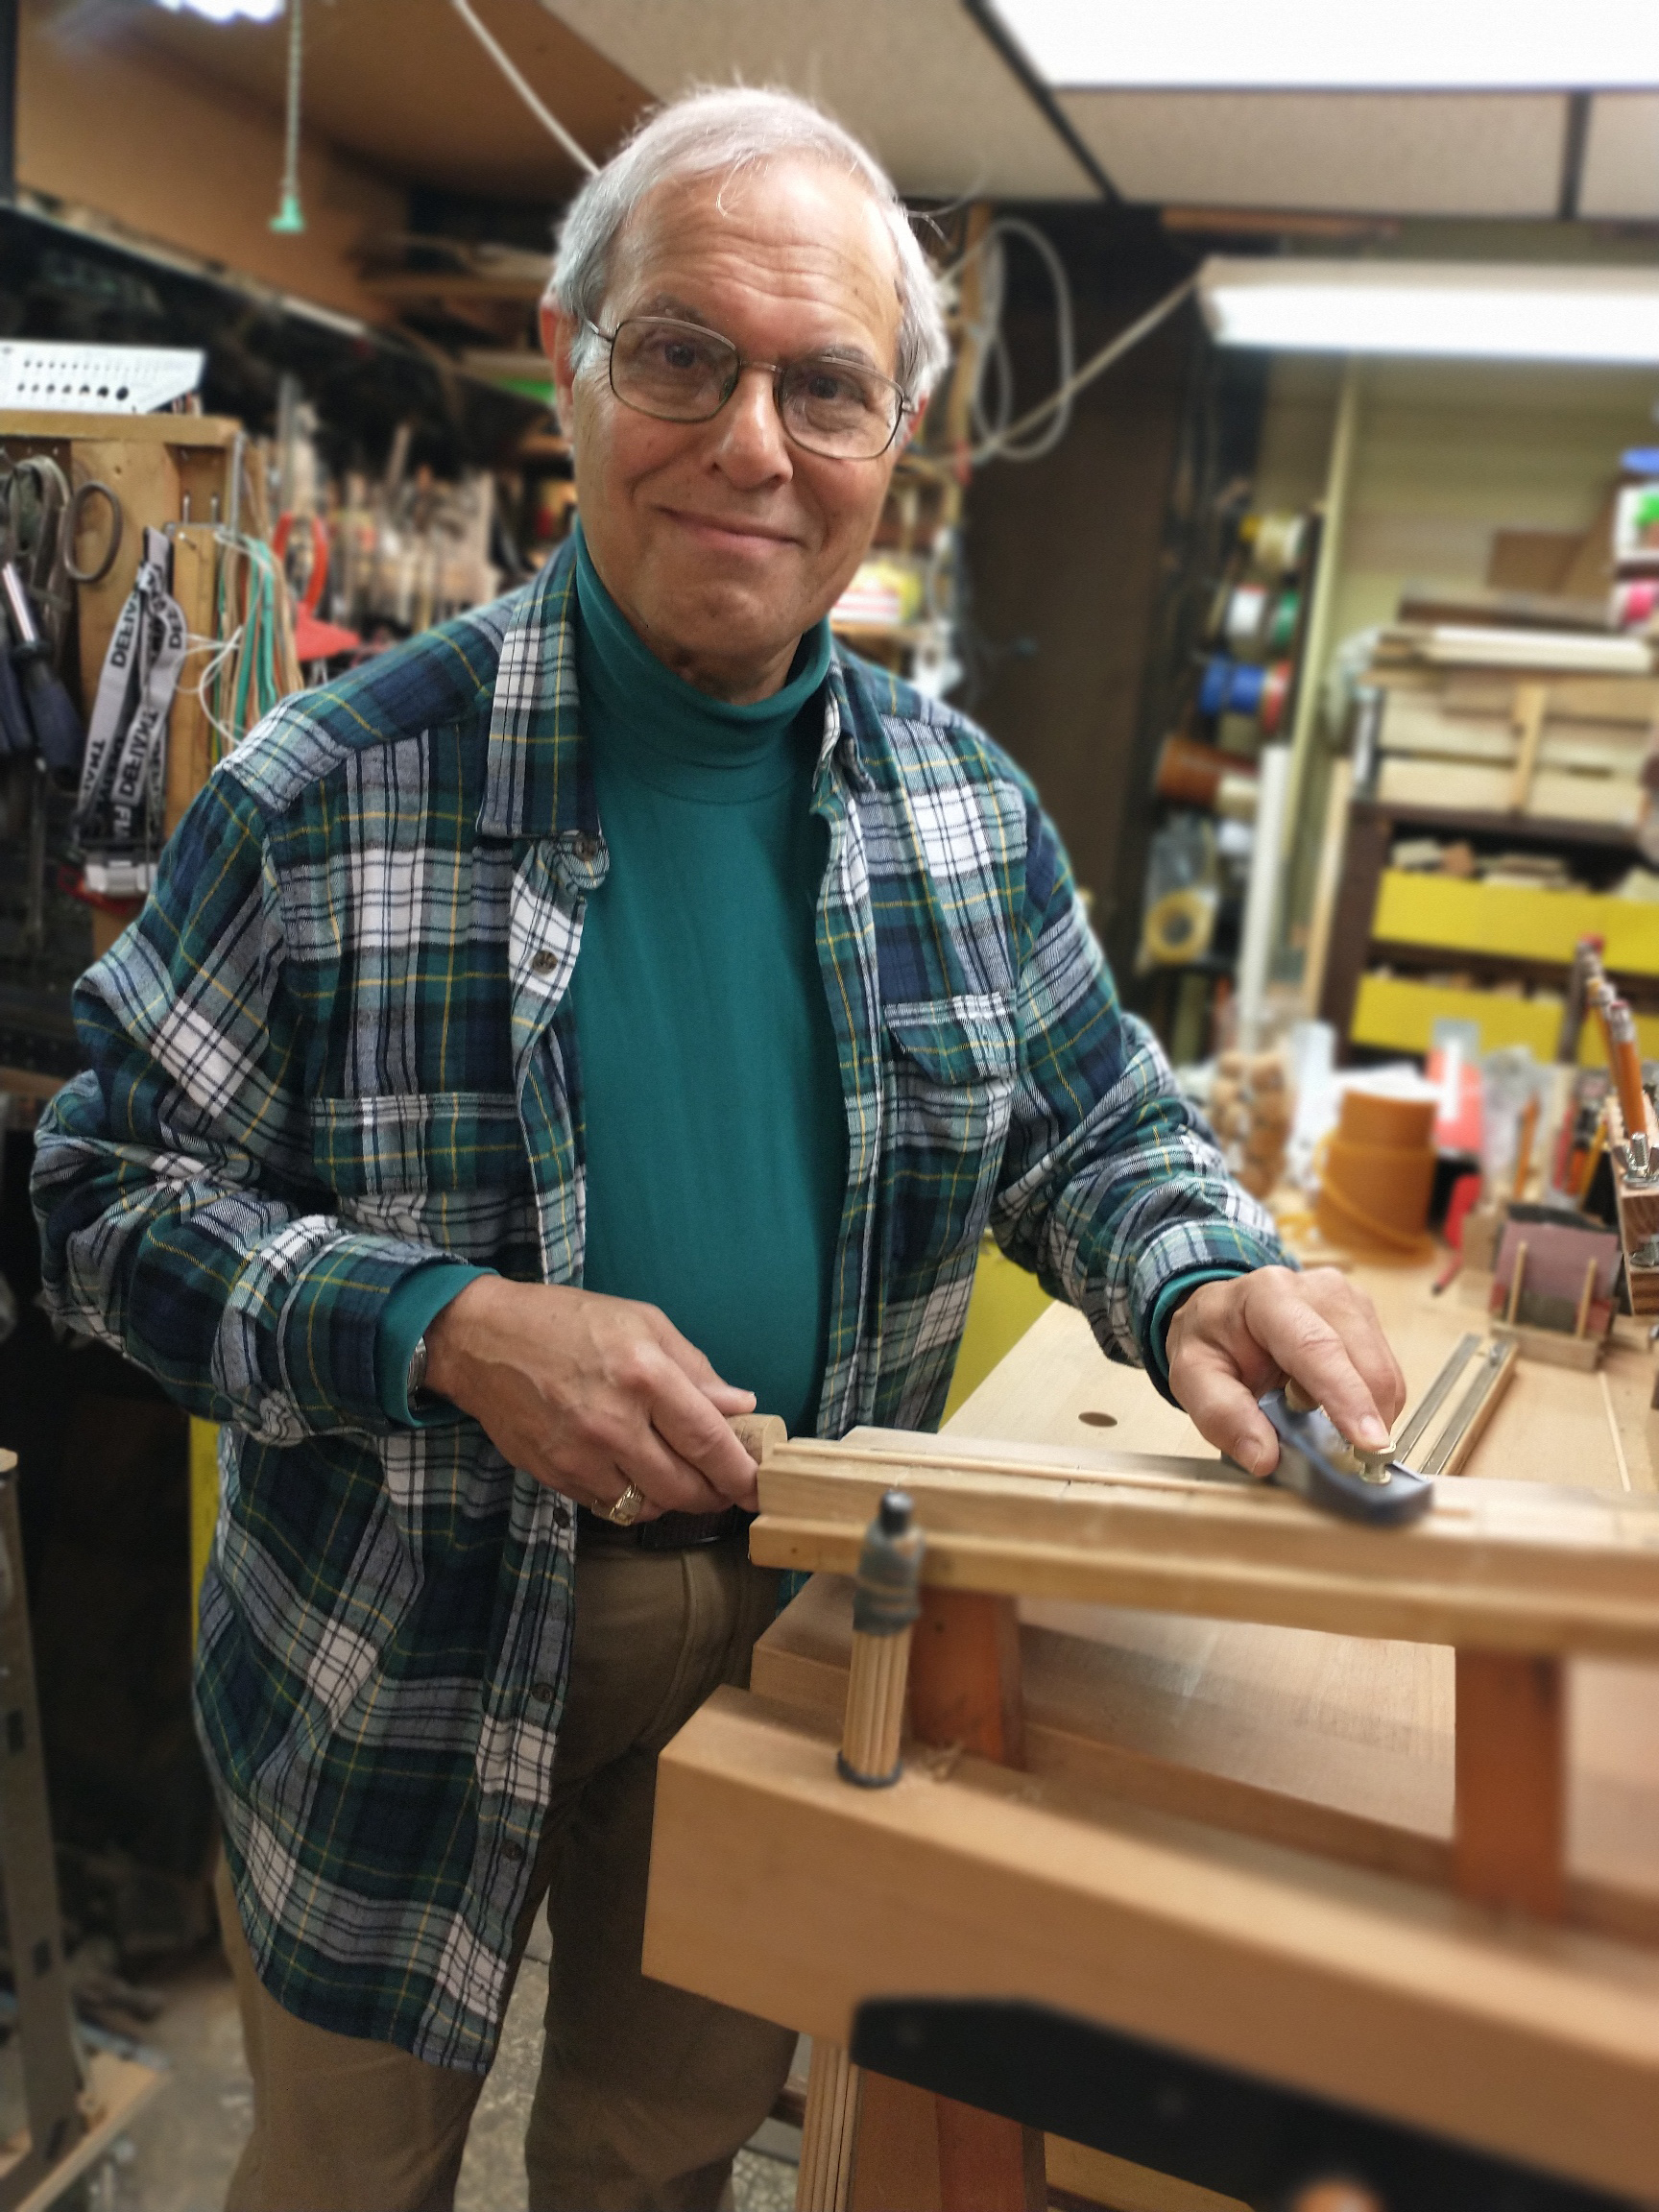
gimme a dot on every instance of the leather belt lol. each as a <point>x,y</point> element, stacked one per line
<point>669,1532</point>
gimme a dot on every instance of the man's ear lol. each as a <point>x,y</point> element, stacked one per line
<point>558,337</point>
<point>913,423</point>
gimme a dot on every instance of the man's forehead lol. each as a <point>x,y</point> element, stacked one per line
<point>800,230</point>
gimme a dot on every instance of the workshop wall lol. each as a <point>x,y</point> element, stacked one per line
<point>186,161</point>
<point>1063,554</point>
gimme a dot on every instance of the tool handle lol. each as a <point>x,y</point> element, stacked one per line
<point>758,1433</point>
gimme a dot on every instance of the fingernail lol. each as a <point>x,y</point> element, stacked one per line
<point>1262,1460</point>
<point>1372,1434</point>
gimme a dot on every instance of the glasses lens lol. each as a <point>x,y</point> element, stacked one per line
<point>838,408</point>
<point>672,370</point>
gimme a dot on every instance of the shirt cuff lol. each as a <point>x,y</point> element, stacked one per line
<point>409,1312</point>
<point>1178,1287</point>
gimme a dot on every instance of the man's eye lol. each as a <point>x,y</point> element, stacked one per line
<point>832,385</point>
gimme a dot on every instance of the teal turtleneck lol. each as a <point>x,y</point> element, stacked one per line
<point>711,1106</point>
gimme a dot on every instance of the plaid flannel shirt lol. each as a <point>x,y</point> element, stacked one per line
<point>337,1041</point>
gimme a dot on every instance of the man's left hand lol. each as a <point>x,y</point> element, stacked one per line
<point>1231,1341</point>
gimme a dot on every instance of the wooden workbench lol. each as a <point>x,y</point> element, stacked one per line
<point>1317,1747</point>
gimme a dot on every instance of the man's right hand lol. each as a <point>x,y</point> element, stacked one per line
<point>588,1394</point>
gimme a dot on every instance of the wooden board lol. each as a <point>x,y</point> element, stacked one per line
<point>1326,1744</point>
<point>117,2090</point>
<point>778,1890</point>
<point>1499,1566</point>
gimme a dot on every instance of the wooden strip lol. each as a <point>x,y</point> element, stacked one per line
<point>1495,1566</point>
<point>1509,1846</point>
<point>1473,1426</point>
<point>776,1890</point>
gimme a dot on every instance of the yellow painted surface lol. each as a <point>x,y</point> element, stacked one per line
<point>1004,1304</point>
<point>1400,1015</point>
<point>1531,925</point>
<point>204,1502</point>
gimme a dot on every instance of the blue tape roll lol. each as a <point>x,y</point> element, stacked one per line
<point>1244,691</point>
<point>1213,691</point>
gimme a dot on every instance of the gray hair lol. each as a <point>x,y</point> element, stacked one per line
<point>721,131</point>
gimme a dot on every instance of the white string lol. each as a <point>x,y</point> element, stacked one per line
<point>543,115</point>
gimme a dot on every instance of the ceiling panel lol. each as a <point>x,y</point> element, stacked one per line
<point>1622,156</point>
<point>1347,153</point>
<point>917,79</point>
<point>402,83</point>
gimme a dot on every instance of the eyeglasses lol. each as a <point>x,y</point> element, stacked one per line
<point>681,372</point>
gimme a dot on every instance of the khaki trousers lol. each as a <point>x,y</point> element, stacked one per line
<point>646,2092</point>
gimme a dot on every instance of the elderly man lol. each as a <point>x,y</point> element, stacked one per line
<point>614,1010</point>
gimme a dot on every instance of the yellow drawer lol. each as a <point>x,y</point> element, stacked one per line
<point>1397,1015</point>
<point>1441,910</point>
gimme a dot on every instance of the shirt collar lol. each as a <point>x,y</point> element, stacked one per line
<point>537,778</point>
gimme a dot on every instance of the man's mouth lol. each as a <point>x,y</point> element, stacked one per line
<point>729,533</point>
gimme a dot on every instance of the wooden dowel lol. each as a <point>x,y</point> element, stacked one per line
<point>830,2128</point>
<point>1516,1274</point>
<point>1581,1328</point>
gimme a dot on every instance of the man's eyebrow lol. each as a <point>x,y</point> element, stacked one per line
<point>665,304</point>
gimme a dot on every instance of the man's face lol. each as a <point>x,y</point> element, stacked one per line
<point>722,541</point>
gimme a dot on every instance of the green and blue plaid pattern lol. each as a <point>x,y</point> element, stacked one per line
<point>337,1042</point>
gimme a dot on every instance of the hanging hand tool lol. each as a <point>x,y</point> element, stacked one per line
<point>56,727</point>
<point>1317,1461</point>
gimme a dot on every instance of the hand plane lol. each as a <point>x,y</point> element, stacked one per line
<point>1316,1461</point>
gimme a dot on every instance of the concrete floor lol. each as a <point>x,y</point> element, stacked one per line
<point>180,2152</point>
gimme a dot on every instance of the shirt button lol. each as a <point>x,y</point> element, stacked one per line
<point>512,1852</point>
<point>585,848</point>
<point>544,962</point>
<point>542,1691</point>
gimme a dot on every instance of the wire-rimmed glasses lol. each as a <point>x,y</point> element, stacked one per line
<point>684,373</point>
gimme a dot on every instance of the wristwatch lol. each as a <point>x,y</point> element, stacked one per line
<point>415,1381</point>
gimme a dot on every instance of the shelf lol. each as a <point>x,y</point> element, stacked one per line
<point>1525,829</point>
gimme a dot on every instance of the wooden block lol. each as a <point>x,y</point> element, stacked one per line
<point>1099,2178</point>
<point>778,1890</point>
<point>1552,1346</point>
<point>1509,1566</point>
<point>144,477</point>
<point>1509,1846</point>
<point>897,2162</point>
<point>964,1684</point>
<point>986,2163</point>
<point>1531,704</point>
<point>190,746</point>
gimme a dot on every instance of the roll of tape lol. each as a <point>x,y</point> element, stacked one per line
<point>1244,688</point>
<point>1275,690</point>
<point>1281,623</point>
<point>1178,926</point>
<point>1384,1120</point>
<point>1213,688</point>
<point>1246,610</point>
<point>1276,544</point>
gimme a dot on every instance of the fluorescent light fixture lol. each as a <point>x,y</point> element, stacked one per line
<point>1476,310</point>
<point>226,11</point>
<point>1409,45</point>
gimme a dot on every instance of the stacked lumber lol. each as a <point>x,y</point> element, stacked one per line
<point>1550,724</point>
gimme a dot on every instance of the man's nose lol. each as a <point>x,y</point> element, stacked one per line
<point>752,447</point>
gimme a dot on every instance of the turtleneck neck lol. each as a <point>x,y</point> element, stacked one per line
<point>673,735</point>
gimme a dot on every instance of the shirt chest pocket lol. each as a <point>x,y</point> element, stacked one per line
<point>441,1168</point>
<point>952,1065</point>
